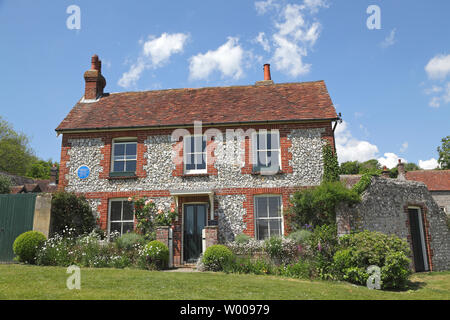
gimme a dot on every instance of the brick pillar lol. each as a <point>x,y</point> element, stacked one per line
<point>211,236</point>
<point>162,234</point>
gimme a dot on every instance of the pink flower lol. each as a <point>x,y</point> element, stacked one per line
<point>172,210</point>
<point>160,211</point>
<point>151,201</point>
<point>319,246</point>
<point>130,199</point>
<point>147,202</point>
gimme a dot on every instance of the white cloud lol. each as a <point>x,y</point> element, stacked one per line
<point>390,160</point>
<point>263,6</point>
<point>227,59</point>
<point>155,53</point>
<point>438,67</point>
<point>351,149</point>
<point>262,40</point>
<point>428,164</point>
<point>295,36</point>
<point>314,5</point>
<point>389,40</point>
<point>435,102</point>
<point>404,147</point>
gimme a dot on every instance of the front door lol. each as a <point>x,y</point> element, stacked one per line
<point>194,223</point>
<point>418,240</point>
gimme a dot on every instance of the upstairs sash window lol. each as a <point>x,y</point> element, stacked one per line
<point>266,151</point>
<point>124,157</point>
<point>195,154</point>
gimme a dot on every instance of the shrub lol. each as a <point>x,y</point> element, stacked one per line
<point>5,184</point>
<point>242,238</point>
<point>300,236</point>
<point>317,206</point>
<point>280,250</point>
<point>155,255</point>
<point>300,270</point>
<point>249,248</point>
<point>217,257</point>
<point>322,245</point>
<point>247,265</point>
<point>361,250</point>
<point>27,245</point>
<point>130,240</point>
<point>71,211</point>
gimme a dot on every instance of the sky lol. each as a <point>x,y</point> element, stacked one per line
<point>386,64</point>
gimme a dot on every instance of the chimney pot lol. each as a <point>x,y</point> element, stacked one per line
<point>267,72</point>
<point>95,82</point>
<point>401,170</point>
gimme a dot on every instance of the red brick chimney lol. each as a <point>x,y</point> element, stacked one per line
<point>267,78</point>
<point>401,170</point>
<point>95,82</point>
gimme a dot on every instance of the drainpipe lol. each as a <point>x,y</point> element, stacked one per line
<point>339,120</point>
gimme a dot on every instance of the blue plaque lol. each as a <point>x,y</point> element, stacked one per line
<point>83,172</point>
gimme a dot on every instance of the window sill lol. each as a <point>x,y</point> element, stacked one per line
<point>122,175</point>
<point>195,175</point>
<point>259,173</point>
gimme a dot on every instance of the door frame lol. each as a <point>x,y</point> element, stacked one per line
<point>182,223</point>
<point>423,239</point>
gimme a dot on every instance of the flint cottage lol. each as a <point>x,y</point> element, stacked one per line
<point>226,159</point>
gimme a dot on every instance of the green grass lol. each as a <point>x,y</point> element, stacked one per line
<point>32,282</point>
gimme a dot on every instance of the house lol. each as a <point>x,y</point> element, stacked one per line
<point>228,157</point>
<point>404,208</point>
<point>30,185</point>
<point>438,182</point>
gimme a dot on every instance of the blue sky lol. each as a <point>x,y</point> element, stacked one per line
<point>392,85</point>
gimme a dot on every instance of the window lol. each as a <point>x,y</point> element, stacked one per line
<point>121,216</point>
<point>268,217</point>
<point>124,157</point>
<point>195,154</point>
<point>266,151</point>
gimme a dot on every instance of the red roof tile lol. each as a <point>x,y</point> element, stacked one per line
<point>216,105</point>
<point>436,180</point>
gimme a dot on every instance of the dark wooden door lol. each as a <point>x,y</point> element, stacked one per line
<point>194,223</point>
<point>418,240</point>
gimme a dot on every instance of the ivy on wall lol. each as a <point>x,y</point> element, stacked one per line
<point>330,165</point>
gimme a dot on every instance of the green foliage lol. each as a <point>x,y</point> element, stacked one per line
<point>317,206</point>
<point>217,257</point>
<point>280,250</point>
<point>349,167</point>
<point>27,245</point>
<point>361,250</point>
<point>5,184</point>
<point>364,182</point>
<point>444,153</point>
<point>246,265</point>
<point>242,238</point>
<point>15,154</point>
<point>71,211</point>
<point>300,236</point>
<point>156,255</point>
<point>323,244</point>
<point>130,240</point>
<point>40,169</point>
<point>149,217</point>
<point>302,269</point>
<point>330,165</point>
<point>370,166</point>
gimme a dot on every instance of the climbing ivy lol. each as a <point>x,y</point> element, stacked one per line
<point>364,182</point>
<point>330,165</point>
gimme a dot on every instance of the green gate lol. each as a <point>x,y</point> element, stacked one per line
<point>16,217</point>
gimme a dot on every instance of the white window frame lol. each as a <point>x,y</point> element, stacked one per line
<point>255,147</point>
<point>122,141</point>
<point>121,221</point>
<point>185,154</point>
<point>255,215</point>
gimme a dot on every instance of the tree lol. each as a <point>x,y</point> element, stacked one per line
<point>5,184</point>
<point>444,153</point>
<point>370,166</point>
<point>350,167</point>
<point>41,169</point>
<point>15,154</point>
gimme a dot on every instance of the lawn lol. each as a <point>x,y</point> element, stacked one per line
<point>32,282</point>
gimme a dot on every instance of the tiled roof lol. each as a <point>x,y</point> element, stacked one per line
<point>216,105</point>
<point>436,180</point>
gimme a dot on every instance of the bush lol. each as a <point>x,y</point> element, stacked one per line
<point>130,240</point>
<point>248,248</point>
<point>246,265</point>
<point>155,255</point>
<point>217,257</point>
<point>300,236</point>
<point>5,184</point>
<point>242,238</point>
<point>300,270</point>
<point>71,211</point>
<point>317,206</point>
<point>280,250</point>
<point>361,250</point>
<point>27,245</point>
<point>322,245</point>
